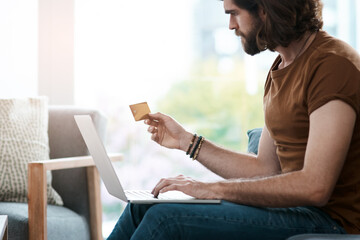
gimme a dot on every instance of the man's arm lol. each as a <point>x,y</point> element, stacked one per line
<point>331,129</point>
<point>228,164</point>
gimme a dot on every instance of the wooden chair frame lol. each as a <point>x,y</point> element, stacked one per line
<point>37,193</point>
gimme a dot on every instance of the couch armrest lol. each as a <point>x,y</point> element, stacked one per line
<point>72,162</point>
<point>37,193</point>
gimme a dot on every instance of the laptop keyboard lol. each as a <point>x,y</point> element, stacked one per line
<point>147,195</point>
<point>139,194</point>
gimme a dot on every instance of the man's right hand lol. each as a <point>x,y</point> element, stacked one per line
<point>167,132</point>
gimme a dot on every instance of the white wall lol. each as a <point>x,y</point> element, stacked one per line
<point>56,50</point>
<point>18,48</point>
<point>36,49</point>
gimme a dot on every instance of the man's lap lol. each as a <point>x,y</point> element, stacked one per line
<point>225,221</point>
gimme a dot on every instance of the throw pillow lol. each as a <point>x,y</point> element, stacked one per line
<point>254,137</point>
<point>23,139</point>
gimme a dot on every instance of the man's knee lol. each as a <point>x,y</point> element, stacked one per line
<point>158,222</point>
<point>164,220</point>
<point>137,211</point>
<point>159,212</point>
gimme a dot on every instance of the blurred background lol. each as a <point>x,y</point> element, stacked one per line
<point>179,56</point>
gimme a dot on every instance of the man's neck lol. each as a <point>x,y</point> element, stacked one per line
<point>295,49</point>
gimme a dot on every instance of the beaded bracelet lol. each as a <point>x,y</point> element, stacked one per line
<point>196,146</point>
<point>198,149</point>
<point>191,144</point>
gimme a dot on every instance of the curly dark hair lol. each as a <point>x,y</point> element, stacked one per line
<point>285,21</point>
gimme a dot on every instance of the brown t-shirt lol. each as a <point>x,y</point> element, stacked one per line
<point>329,69</point>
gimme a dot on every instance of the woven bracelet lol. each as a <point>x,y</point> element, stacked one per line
<point>196,146</point>
<point>191,144</point>
<point>198,149</point>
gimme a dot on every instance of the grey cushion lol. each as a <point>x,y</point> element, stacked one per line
<point>62,222</point>
<point>324,237</point>
<point>254,136</point>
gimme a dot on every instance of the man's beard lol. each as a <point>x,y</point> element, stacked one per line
<point>249,40</point>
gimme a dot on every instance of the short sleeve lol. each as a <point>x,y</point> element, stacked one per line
<point>335,78</point>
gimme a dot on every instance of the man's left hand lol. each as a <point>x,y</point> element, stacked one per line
<point>186,185</point>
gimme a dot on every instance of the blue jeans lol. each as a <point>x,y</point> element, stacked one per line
<point>219,221</point>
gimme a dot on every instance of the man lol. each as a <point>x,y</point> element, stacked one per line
<point>304,178</point>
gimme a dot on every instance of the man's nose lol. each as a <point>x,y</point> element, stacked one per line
<point>232,23</point>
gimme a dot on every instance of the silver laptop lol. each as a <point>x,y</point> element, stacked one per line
<point>111,180</point>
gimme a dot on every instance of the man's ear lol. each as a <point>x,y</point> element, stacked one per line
<point>262,13</point>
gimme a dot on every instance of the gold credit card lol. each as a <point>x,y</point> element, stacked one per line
<point>140,111</point>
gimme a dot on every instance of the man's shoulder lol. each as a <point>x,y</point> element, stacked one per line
<point>330,49</point>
